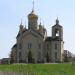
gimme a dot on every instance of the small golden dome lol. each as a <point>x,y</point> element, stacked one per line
<point>32,15</point>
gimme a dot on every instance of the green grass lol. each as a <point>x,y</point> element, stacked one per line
<point>40,69</point>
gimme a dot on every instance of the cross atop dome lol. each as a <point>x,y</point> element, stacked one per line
<point>57,21</point>
<point>33,7</point>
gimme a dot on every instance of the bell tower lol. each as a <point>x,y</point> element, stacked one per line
<point>58,43</point>
<point>57,31</point>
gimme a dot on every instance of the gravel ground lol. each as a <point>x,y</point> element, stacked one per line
<point>8,74</point>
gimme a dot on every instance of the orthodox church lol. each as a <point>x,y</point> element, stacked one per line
<point>34,46</point>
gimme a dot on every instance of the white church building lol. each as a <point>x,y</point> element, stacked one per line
<point>34,46</point>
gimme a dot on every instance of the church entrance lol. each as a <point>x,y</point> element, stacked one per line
<point>30,58</point>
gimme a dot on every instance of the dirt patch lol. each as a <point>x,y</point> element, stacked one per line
<point>8,73</point>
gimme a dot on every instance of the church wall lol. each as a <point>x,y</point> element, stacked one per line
<point>13,56</point>
<point>19,47</point>
<point>57,51</point>
<point>34,41</point>
<point>48,51</point>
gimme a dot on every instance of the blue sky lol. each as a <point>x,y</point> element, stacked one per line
<point>12,11</point>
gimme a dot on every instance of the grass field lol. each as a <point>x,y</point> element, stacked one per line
<point>40,69</point>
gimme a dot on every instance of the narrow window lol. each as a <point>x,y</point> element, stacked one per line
<point>55,46</point>
<point>39,46</point>
<point>39,56</point>
<point>47,46</point>
<point>20,46</point>
<point>29,45</point>
<point>20,56</point>
<point>47,57</point>
<point>56,32</point>
<point>55,55</point>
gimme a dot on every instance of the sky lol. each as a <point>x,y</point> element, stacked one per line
<point>13,11</point>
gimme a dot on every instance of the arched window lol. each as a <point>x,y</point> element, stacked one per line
<point>47,57</point>
<point>56,32</point>
<point>39,46</point>
<point>56,47</point>
<point>29,45</point>
<point>20,46</point>
<point>47,46</point>
<point>55,55</point>
<point>39,56</point>
<point>20,56</point>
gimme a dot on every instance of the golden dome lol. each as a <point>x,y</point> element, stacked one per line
<point>32,15</point>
